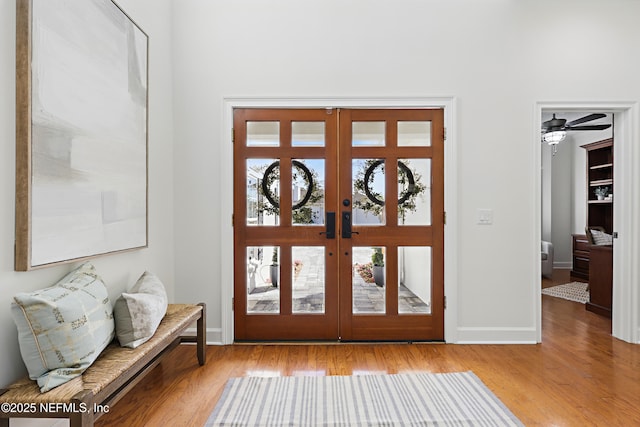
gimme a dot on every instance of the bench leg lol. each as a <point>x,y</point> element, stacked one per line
<point>82,418</point>
<point>202,336</point>
<point>4,422</point>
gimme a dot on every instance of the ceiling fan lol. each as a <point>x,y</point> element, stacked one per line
<point>561,124</point>
<point>555,130</point>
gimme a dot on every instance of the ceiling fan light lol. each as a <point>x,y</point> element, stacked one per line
<point>553,138</point>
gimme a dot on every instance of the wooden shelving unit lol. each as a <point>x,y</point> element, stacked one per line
<point>581,255</point>
<point>600,174</point>
<point>599,212</point>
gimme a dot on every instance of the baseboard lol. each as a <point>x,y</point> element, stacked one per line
<point>214,335</point>
<point>563,265</point>
<point>465,335</point>
<point>488,335</point>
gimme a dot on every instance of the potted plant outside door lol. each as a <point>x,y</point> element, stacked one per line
<point>274,267</point>
<point>377,261</point>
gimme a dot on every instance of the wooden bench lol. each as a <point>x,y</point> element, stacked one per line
<point>118,369</point>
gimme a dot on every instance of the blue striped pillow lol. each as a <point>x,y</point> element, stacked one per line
<point>62,329</point>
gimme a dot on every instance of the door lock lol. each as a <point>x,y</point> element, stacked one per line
<point>346,225</point>
<point>330,226</point>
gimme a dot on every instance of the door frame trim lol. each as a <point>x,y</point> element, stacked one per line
<point>626,309</point>
<point>450,189</point>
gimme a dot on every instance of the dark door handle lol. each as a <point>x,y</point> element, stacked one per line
<point>330,226</point>
<point>346,225</point>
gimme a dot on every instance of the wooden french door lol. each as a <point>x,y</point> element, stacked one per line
<point>285,179</point>
<point>338,224</point>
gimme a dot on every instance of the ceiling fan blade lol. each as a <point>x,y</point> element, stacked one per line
<point>586,119</point>
<point>589,127</point>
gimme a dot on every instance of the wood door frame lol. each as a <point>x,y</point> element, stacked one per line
<point>226,193</point>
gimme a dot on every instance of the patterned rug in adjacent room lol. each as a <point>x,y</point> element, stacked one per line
<point>574,291</point>
<point>450,399</point>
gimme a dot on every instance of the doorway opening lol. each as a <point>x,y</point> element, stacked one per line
<point>583,180</point>
<point>577,204</point>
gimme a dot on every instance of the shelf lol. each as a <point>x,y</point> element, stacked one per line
<point>600,182</point>
<point>602,166</point>
<point>600,202</point>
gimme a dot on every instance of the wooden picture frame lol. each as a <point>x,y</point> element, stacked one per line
<point>81,132</point>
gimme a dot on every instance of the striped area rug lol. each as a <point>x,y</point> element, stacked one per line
<point>574,291</point>
<point>425,399</point>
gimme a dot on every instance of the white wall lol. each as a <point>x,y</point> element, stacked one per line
<point>497,57</point>
<point>562,204</point>
<point>579,179</point>
<point>416,262</point>
<point>546,185</point>
<point>122,270</point>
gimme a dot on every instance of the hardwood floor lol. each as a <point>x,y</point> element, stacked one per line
<point>559,277</point>
<point>578,376</point>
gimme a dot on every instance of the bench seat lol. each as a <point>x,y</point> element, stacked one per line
<point>114,373</point>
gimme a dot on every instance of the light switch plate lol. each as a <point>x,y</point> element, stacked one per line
<point>485,216</point>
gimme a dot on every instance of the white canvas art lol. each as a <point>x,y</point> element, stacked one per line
<point>88,192</point>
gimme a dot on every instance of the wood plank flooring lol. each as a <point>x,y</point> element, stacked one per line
<point>578,376</point>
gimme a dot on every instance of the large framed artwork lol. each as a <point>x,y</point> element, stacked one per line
<point>81,131</point>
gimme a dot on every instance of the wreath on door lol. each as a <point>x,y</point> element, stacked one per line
<point>302,211</point>
<point>372,201</point>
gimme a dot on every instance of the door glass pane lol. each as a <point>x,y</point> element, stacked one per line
<point>307,134</point>
<point>263,276</point>
<point>414,277</point>
<point>308,191</point>
<point>308,272</point>
<point>414,134</point>
<point>368,191</point>
<point>414,192</point>
<point>263,134</point>
<point>263,189</point>
<point>368,280</point>
<point>368,134</point>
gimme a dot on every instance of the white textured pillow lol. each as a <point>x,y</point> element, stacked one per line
<point>601,239</point>
<point>138,312</point>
